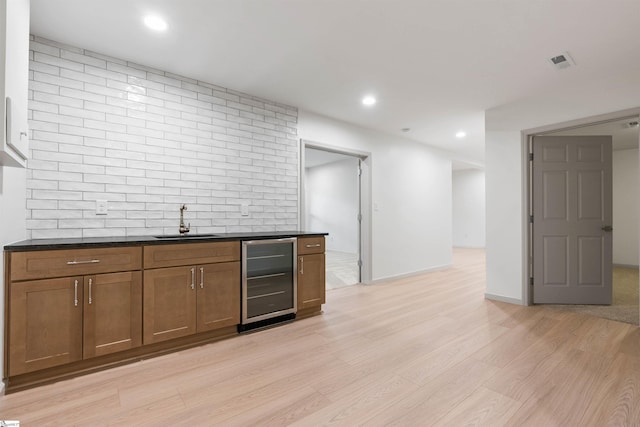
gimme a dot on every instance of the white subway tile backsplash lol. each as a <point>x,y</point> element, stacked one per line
<point>57,61</point>
<point>42,87</point>
<point>57,81</point>
<point>82,95</point>
<point>148,141</point>
<point>111,76</point>
<point>43,106</point>
<point>125,69</point>
<point>43,68</point>
<point>82,76</point>
<point>43,116</point>
<point>48,49</point>
<point>158,76</point>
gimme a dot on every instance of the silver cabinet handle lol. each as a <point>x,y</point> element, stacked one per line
<point>89,261</point>
<point>301,265</point>
<point>201,278</point>
<point>193,278</point>
<point>90,283</point>
<point>317,245</point>
<point>75,293</point>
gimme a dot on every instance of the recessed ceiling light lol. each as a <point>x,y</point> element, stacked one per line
<point>155,22</point>
<point>461,134</point>
<point>368,100</point>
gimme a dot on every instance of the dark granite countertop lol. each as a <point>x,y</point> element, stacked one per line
<point>95,242</point>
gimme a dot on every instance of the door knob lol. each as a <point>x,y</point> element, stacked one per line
<point>607,228</point>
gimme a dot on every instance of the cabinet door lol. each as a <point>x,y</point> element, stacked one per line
<point>14,52</point>
<point>112,313</point>
<point>311,280</point>
<point>169,307</point>
<point>218,295</point>
<point>45,324</point>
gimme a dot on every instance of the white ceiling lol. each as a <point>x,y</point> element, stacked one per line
<point>434,65</point>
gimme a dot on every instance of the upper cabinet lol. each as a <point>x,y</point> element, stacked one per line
<point>14,69</point>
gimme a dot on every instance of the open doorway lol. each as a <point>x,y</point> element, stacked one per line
<point>332,192</point>
<point>625,135</point>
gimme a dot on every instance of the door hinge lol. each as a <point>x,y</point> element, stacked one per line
<point>531,157</point>
<point>359,217</point>
<point>359,263</point>
<point>530,281</point>
<point>531,219</point>
<point>359,171</point>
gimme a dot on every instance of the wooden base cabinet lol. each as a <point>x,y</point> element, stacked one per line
<point>58,321</point>
<point>218,302</point>
<point>311,272</point>
<point>180,301</point>
<point>169,303</point>
<point>112,313</point>
<point>45,324</point>
<point>82,309</point>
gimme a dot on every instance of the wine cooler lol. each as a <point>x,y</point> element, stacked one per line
<point>269,282</point>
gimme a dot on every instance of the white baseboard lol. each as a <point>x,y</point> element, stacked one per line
<point>405,275</point>
<point>503,299</point>
<point>625,266</point>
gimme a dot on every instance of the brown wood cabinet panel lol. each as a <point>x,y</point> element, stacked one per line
<point>73,262</point>
<point>311,280</point>
<point>190,254</point>
<point>310,245</point>
<point>169,303</point>
<point>112,313</point>
<point>218,295</point>
<point>45,324</point>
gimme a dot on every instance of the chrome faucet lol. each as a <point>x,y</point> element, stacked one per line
<point>183,229</point>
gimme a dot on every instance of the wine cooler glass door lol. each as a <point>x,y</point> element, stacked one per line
<point>269,279</point>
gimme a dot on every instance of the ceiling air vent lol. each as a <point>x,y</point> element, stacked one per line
<point>562,61</point>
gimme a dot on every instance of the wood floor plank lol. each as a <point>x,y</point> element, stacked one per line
<point>615,401</point>
<point>568,392</point>
<point>434,400</point>
<point>420,350</point>
<point>482,408</point>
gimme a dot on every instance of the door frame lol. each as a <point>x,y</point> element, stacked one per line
<point>527,182</point>
<point>365,199</point>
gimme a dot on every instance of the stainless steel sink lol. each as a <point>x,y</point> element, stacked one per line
<point>185,236</point>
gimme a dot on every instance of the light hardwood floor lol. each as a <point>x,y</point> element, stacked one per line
<point>421,351</point>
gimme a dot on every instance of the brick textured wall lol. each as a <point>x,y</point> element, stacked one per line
<point>147,141</point>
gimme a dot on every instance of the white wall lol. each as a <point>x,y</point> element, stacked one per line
<point>625,207</point>
<point>411,195</point>
<point>468,208</point>
<point>147,141</point>
<point>332,203</point>
<point>504,210</point>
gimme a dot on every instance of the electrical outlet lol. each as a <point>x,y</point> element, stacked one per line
<point>101,207</point>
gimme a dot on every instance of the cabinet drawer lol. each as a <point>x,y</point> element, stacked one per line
<point>158,256</point>
<point>73,262</point>
<point>310,245</point>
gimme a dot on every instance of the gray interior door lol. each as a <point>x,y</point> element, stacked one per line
<point>572,215</point>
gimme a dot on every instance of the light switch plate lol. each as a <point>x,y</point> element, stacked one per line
<point>244,209</point>
<point>101,207</point>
